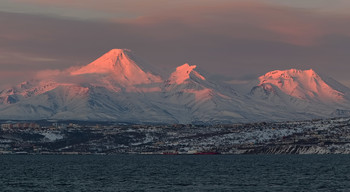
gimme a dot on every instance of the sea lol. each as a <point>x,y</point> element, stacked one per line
<point>174,173</point>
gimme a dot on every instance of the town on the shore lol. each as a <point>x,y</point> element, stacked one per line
<point>322,136</point>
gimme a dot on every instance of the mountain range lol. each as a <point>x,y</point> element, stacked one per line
<point>120,87</point>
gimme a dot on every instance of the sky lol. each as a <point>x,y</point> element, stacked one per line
<point>232,40</point>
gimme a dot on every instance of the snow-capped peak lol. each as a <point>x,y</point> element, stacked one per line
<point>107,63</point>
<point>119,86</point>
<point>302,84</point>
<point>119,63</point>
<point>183,72</point>
<point>288,73</point>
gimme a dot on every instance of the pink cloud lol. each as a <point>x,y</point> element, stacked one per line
<point>239,36</point>
<point>245,19</point>
<point>9,78</point>
<point>251,19</point>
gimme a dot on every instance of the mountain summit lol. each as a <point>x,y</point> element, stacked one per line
<point>183,73</point>
<point>120,87</point>
<point>114,60</point>
<point>301,84</point>
<point>119,63</point>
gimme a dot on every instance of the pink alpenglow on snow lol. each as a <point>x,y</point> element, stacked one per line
<point>118,62</point>
<point>120,87</point>
<point>301,84</point>
<point>183,72</point>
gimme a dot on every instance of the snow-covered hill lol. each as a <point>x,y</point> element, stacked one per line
<point>120,87</point>
<point>305,85</point>
<point>119,65</point>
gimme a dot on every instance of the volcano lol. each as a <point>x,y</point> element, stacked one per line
<point>120,87</point>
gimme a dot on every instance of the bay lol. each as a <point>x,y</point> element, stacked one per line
<point>175,173</point>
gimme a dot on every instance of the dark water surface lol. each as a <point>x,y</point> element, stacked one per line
<point>175,173</point>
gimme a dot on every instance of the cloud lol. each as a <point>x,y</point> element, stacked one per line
<point>9,56</point>
<point>264,20</point>
<point>230,38</point>
<point>10,78</point>
<point>50,74</point>
<point>246,19</point>
<point>65,77</point>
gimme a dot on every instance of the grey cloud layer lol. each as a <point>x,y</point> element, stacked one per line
<point>234,40</point>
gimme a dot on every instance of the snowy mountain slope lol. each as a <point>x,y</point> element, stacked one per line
<point>305,85</point>
<point>85,103</point>
<point>202,100</point>
<point>301,92</point>
<point>119,87</point>
<point>336,85</point>
<point>25,90</point>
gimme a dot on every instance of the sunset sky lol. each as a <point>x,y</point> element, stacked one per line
<point>231,39</point>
